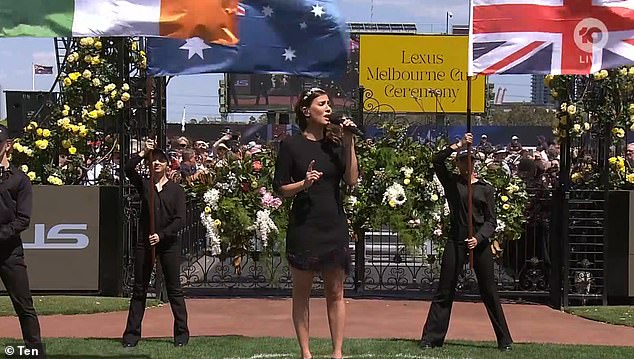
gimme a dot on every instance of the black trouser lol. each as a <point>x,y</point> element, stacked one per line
<point>453,260</point>
<point>16,281</point>
<point>169,255</point>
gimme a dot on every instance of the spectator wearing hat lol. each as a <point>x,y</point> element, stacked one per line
<point>485,146</point>
<point>16,199</point>
<point>162,240</point>
<point>514,146</point>
<point>459,242</point>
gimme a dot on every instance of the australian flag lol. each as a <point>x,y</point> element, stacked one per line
<point>299,37</point>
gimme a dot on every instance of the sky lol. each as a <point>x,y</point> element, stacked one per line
<point>199,93</point>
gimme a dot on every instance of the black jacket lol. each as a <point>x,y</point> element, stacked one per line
<point>484,218</point>
<point>16,203</point>
<point>169,205</point>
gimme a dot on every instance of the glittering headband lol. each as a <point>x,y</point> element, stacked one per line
<point>311,92</point>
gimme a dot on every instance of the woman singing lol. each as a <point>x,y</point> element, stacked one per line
<point>458,243</point>
<point>309,169</point>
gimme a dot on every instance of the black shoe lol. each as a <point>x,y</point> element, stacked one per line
<point>180,344</point>
<point>505,348</point>
<point>129,344</point>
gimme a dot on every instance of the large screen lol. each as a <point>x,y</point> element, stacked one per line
<point>278,92</point>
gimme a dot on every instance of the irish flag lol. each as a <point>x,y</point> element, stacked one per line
<point>211,20</point>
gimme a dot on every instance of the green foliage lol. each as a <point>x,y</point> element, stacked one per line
<point>91,91</point>
<point>241,214</point>
<point>593,109</point>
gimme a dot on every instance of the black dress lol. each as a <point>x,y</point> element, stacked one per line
<point>317,237</point>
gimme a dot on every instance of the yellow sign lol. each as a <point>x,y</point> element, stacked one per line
<point>419,73</point>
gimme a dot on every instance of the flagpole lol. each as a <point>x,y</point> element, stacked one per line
<point>469,158</point>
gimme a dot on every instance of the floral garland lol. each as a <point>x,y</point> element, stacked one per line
<point>241,214</point>
<point>604,104</point>
<point>91,90</point>
<point>399,188</point>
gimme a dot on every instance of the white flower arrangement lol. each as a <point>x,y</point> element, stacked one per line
<point>211,198</point>
<point>500,227</point>
<point>212,233</point>
<point>407,171</point>
<point>394,195</point>
<point>263,226</point>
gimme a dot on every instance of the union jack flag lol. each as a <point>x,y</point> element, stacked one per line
<point>550,36</point>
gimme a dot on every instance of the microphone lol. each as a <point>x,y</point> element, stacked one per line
<point>338,120</point>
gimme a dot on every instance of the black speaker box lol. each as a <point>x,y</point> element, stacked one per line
<point>22,107</point>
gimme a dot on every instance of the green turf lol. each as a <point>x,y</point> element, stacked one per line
<point>49,305</point>
<point>622,315</point>
<point>260,348</point>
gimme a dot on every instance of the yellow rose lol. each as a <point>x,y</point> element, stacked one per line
<point>95,61</point>
<point>88,59</point>
<point>631,72</point>
<point>41,144</point>
<point>572,109</point>
<point>548,80</point>
<point>630,178</point>
<point>392,203</point>
<point>54,180</point>
<point>623,71</point>
<point>217,223</point>
<point>113,94</point>
<point>563,106</point>
<point>604,73</point>
<point>504,198</point>
<point>576,177</point>
<point>576,127</point>
<point>66,107</point>
<point>434,197</point>
<point>101,113</point>
<point>98,45</point>
<point>18,147</point>
<point>254,184</point>
<point>87,74</point>
<point>31,176</point>
<point>96,82</point>
<point>83,41</point>
<point>125,87</point>
<point>39,132</point>
<point>120,104</point>
<point>612,160</point>
<point>83,132</point>
<point>99,105</point>
<point>67,82</point>
<point>66,144</point>
<point>586,126</point>
<point>90,41</point>
<point>24,168</point>
<point>74,76</point>
<point>406,181</point>
<point>506,206</point>
<point>93,114</point>
<point>72,150</point>
<point>125,97</point>
<point>207,209</point>
<point>65,113</point>
<point>134,46</point>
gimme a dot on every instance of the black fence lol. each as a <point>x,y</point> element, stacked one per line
<point>382,265</point>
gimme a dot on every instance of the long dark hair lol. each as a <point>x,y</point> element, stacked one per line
<point>332,133</point>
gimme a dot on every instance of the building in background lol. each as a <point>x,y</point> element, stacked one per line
<point>540,94</point>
